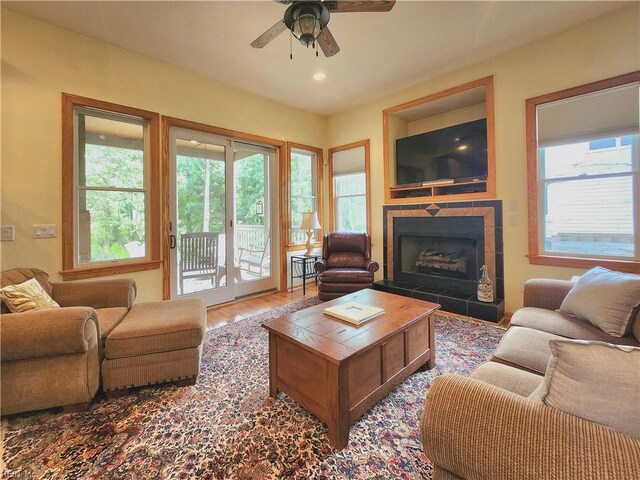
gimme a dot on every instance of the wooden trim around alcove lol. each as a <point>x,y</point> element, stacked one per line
<point>490,189</point>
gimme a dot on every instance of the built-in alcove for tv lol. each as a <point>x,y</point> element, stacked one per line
<point>441,147</point>
<point>435,251</point>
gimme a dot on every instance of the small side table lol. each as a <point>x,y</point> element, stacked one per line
<point>302,267</point>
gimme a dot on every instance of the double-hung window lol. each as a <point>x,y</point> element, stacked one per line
<point>110,184</point>
<point>584,180</point>
<point>350,197</point>
<point>349,187</point>
<point>305,175</point>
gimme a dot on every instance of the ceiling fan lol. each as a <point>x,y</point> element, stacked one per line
<point>307,21</point>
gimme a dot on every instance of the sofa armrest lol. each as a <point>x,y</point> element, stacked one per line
<point>47,333</point>
<point>321,265</point>
<point>372,266</point>
<point>118,292</point>
<point>479,431</point>
<point>545,292</point>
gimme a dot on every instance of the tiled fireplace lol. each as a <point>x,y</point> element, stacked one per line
<point>435,251</point>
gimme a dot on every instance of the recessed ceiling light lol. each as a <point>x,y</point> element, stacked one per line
<point>319,76</point>
<point>462,147</point>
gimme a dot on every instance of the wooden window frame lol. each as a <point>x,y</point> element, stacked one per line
<point>534,208</point>
<point>367,174</point>
<point>287,191</point>
<point>152,191</point>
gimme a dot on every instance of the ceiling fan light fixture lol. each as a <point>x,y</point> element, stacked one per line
<point>306,29</point>
<point>306,21</point>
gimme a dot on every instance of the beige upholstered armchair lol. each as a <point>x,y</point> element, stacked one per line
<point>52,357</point>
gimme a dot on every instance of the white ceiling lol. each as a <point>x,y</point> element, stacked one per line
<point>380,52</point>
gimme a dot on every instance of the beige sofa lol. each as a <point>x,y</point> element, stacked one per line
<point>485,427</point>
<point>59,356</point>
<point>51,358</point>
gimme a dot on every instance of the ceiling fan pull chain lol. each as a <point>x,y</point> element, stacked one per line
<point>291,46</point>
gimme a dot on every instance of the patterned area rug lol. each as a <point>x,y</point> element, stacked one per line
<point>227,427</point>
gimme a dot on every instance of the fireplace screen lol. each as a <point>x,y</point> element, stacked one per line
<point>451,257</point>
<point>434,261</point>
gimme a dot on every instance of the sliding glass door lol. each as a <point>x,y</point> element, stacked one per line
<point>220,216</point>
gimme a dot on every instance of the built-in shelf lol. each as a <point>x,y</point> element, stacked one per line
<point>453,106</point>
<point>438,190</point>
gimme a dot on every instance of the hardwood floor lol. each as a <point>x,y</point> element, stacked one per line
<point>227,313</point>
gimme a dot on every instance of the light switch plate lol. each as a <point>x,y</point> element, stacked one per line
<point>6,233</point>
<point>45,231</point>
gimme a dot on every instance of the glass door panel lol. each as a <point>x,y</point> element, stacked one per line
<point>253,224</point>
<point>201,234</point>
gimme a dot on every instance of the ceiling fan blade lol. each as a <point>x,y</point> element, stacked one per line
<point>269,35</point>
<point>327,43</point>
<point>344,6</point>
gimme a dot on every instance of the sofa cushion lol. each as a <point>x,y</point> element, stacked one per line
<point>525,348</point>
<point>27,296</point>
<point>154,327</point>
<point>564,325</point>
<point>605,298</point>
<point>513,379</point>
<point>108,318</point>
<point>596,381</point>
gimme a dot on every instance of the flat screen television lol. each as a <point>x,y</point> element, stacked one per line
<point>457,153</point>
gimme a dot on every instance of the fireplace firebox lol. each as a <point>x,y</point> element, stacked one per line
<point>435,252</point>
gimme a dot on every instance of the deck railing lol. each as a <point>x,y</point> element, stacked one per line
<point>250,236</point>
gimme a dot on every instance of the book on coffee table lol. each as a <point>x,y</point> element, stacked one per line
<point>354,312</point>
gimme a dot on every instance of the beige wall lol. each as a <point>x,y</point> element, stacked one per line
<point>448,119</point>
<point>605,47</point>
<point>40,61</point>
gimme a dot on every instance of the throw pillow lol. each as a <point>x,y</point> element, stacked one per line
<point>635,328</point>
<point>596,381</point>
<point>26,296</point>
<point>604,298</point>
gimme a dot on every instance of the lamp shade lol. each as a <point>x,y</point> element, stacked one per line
<point>310,221</point>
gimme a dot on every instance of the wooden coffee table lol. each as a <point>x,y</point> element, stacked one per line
<point>338,370</point>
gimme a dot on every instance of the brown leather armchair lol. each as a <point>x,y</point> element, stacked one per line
<point>346,264</point>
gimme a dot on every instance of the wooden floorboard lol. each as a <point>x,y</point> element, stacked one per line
<point>228,313</point>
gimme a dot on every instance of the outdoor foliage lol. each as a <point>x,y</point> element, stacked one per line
<point>117,217</point>
<point>191,174</point>
<point>250,188</point>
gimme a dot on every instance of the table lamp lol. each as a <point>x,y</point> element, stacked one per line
<point>309,223</point>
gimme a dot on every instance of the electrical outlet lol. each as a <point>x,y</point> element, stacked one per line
<point>45,231</point>
<point>6,233</point>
